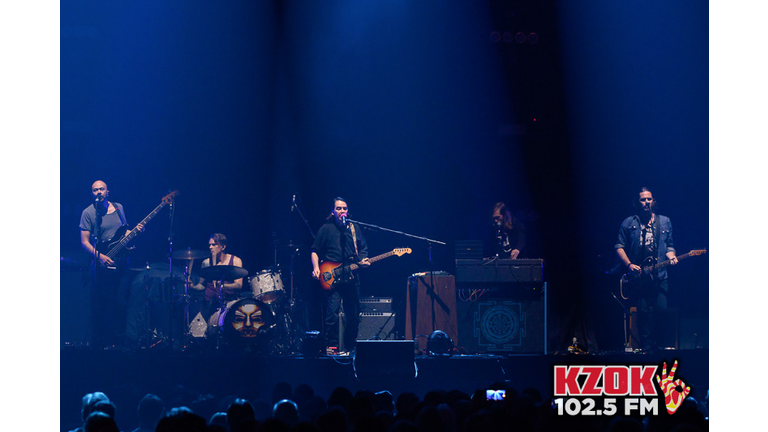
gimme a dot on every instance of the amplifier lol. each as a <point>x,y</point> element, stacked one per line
<point>376,304</point>
<point>376,326</point>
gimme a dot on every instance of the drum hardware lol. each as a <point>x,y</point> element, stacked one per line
<point>189,255</point>
<point>149,337</point>
<point>293,249</point>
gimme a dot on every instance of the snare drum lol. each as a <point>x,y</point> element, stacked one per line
<point>267,285</point>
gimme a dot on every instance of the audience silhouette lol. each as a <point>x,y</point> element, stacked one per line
<point>302,410</point>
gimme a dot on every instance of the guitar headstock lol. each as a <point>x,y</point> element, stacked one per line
<point>169,198</point>
<point>697,252</point>
<point>401,251</point>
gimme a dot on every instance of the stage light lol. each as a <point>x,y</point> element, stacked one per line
<point>439,343</point>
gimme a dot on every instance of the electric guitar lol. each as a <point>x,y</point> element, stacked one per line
<point>649,268</point>
<point>331,272</point>
<point>118,249</point>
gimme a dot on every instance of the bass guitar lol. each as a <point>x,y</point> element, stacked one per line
<point>118,249</point>
<point>331,272</point>
<point>649,268</point>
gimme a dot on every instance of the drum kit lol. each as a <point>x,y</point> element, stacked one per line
<point>258,319</point>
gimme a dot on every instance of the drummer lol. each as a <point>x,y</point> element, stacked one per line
<point>217,245</point>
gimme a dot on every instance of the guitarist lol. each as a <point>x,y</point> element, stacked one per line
<point>646,239</point>
<point>340,241</point>
<point>99,223</point>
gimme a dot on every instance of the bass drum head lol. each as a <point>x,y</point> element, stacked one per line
<point>247,324</point>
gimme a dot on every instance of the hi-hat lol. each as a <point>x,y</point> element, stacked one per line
<point>190,254</point>
<point>222,272</point>
<point>289,245</point>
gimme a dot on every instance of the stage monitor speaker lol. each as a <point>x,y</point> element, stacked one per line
<point>376,326</point>
<point>503,326</point>
<point>75,309</point>
<point>390,358</point>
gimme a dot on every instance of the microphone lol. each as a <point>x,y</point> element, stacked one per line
<point>293,202</point>
<point>344,220</point>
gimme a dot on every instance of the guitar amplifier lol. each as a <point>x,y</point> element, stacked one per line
<point>376,326</point>
<point>376,304</point>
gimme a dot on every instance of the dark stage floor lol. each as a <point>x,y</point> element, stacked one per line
<point>126,376</point>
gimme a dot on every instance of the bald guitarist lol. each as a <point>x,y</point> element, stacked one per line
<point>340,241</point>
<point>99,223</point>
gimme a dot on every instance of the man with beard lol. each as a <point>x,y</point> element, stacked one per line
<point>340,241</point>
<point>645,239</point>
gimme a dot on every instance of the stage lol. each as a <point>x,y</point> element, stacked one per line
<point>125,376</point>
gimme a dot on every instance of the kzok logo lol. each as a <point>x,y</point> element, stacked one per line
<point>575,387</point>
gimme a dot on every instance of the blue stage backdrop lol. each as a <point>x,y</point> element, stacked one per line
<point>422,114</point>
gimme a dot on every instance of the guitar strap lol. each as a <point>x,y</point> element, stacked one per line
<point>120,214</point>
<point>354,237</point>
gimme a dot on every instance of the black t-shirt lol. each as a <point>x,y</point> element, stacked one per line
<point>502,242</point>
<point>335,243</point>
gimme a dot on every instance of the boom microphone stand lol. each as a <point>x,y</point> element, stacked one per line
<point>429,251</point>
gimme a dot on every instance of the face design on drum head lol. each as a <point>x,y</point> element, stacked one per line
<point>247,320</point>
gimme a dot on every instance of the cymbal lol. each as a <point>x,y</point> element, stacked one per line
<point>222,272</point>
<point>190,254</point>
<point>289,245</point>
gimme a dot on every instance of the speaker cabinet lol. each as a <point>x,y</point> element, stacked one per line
<point>504,325</point>
<point>430,306</point>
<point>376,326</point>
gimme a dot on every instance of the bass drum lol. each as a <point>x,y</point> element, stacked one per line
<point>244,324</point>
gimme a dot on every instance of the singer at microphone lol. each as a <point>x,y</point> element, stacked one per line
<point>339,242</point>
<point>100,225</point>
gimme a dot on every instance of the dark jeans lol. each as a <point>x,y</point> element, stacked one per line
<point>108,307</point>
<point>651,312</point>
<point>346,296</point>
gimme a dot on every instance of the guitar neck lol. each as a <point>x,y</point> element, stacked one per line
<point>373,260</point>
<point>667,262</point>
<point>135,231</point>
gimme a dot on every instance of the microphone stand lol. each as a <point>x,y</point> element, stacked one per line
<point>429,241</point>
<point>295,206</point>
<point>171,329</point>
<point>96,260</point>
<point>627,336</point>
